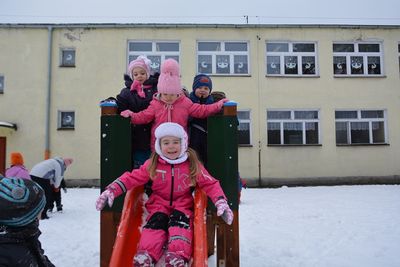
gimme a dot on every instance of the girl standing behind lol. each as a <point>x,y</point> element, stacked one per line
<point>170,105</point>
<point>136,96</point>
<point>17,168</point>
<point>174,169</point>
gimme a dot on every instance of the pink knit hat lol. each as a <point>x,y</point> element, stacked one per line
<point>169,81</point>
<point>140,62</point>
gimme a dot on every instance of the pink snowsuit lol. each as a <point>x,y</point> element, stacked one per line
<point>18,171</point>
<point>170,206</point>
<point>178,112</point>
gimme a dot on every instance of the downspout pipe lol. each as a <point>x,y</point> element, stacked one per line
<point>48,96</point>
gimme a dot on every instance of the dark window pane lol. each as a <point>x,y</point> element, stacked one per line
<point>378,132</point>
<point>1,84</point>
<point>398,48</point>
<point>277,47</point>
<point>345,114</point>
<point>273,65</point>
<point>339,65</point>
<point>303,48</point>
<point>209,46</point>
<point>167,47</point>
<point>243,115</point>
<point>140,46</point>
<point>311,132</point>
<point>343,48</point>
<point>155,63</point>
<point>357,66</point>
<point>235,46</point>
<point>278,115</point>
<point>68,58</point>
<point>374,65</point>
<point>308,65</point>
<point>372,114</point>
<point>368,48</point>
<point>223,64</point>
<point>291,65</point>
<point>341,133</point>
<point>274,133</point>
<point>240,64</point>
<point>306,114</point>
<point>204,64</point>
<point>244,133</point>
<point>359,132</point>
<point>292,133</point>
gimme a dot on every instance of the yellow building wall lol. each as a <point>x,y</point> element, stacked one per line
<point>101,59</point>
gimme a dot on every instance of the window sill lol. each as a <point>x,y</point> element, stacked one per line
<point>66,129</point>
<point>245,145</point>
<point>228,75</point>
<point>291,76</point>
<point>67,66</point>
<point>359,76</point>
<point>381,144</point>
<point>293,145</point>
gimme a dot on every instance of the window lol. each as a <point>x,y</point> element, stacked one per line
<point>357,59</point>
<point>1,84</point>
<point>293,127</point>
<point>67,57</point>
<point>291,59</point>
<point>222,57</point>
<point>398,50</point>
<point>360,127</point>
<point>66,120</point>
<point>244,132</point>
<point>156,51</point>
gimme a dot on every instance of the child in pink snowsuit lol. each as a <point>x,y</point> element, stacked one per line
<point>174,169</point>
<point>170,104</point>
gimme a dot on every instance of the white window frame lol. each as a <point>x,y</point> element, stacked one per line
<point>290,52</point>
<point>153,52</point>
<point>292,119</point>
<point>2,83</point>
<point>348,121</point>
<point>356,53</point>
<point>60,116</point>
<point>64,63</point>
<point>222,52</point>
<point>245,121</point>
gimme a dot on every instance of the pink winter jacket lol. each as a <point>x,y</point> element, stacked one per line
<point>171,186</point>
<point>18,171</point>
<point>159,112</point>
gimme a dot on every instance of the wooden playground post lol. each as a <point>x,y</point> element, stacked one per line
<point>115,156</point>
<point>223,164</point>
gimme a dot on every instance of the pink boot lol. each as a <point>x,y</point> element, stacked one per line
<point>174,260</point>
<point>142,259</point>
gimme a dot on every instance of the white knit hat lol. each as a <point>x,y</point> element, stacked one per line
<point>171,129</point>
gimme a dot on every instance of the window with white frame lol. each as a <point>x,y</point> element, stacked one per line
<point>357,59</point>
<point>223,57</point>
<point>291,58</point>
<point>1,84</point>
<point>360,127</point>
<point>293,127</point>
<point>156,51</point>
<point>66,120</point>
<point>244,128</point>
<point>67,57</point>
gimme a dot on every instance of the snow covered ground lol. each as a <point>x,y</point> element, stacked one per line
<point>338,226</point>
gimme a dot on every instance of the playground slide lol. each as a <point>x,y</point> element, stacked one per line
<point>129,229</point>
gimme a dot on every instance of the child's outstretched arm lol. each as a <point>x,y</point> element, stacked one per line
<point>203,111</point>
<point>213,190</point>
<point>142,117</point>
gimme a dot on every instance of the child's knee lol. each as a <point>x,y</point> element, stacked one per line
<point>180,234</point>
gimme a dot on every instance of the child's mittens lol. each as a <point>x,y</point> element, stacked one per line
<point>224,211</point>
<point>126,113</point>
<point>106,197</point>
<point>222,102</point>
<point>65,190</point>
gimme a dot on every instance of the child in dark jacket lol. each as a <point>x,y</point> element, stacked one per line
<point>21,203</point>
<point>139,89</point>
<point>202,86</point>
<point>174,169</point>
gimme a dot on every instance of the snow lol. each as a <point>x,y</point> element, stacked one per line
<point>284,227</point>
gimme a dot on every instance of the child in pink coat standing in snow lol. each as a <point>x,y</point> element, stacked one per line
<point>174,169</point>
<point>170,104</point>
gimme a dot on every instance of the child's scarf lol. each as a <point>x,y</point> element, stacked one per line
<point>136,86</point>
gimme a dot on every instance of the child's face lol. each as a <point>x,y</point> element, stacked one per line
<point>170,147</point>
<point>202,92</point>
<point>139,75</point>
<point>169,98</point>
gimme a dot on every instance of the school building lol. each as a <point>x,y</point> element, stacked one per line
<point>315,102</point>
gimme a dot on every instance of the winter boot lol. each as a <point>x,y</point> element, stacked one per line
<point>174,260</point>
<point>142,259</point>
<point>59,208</point>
